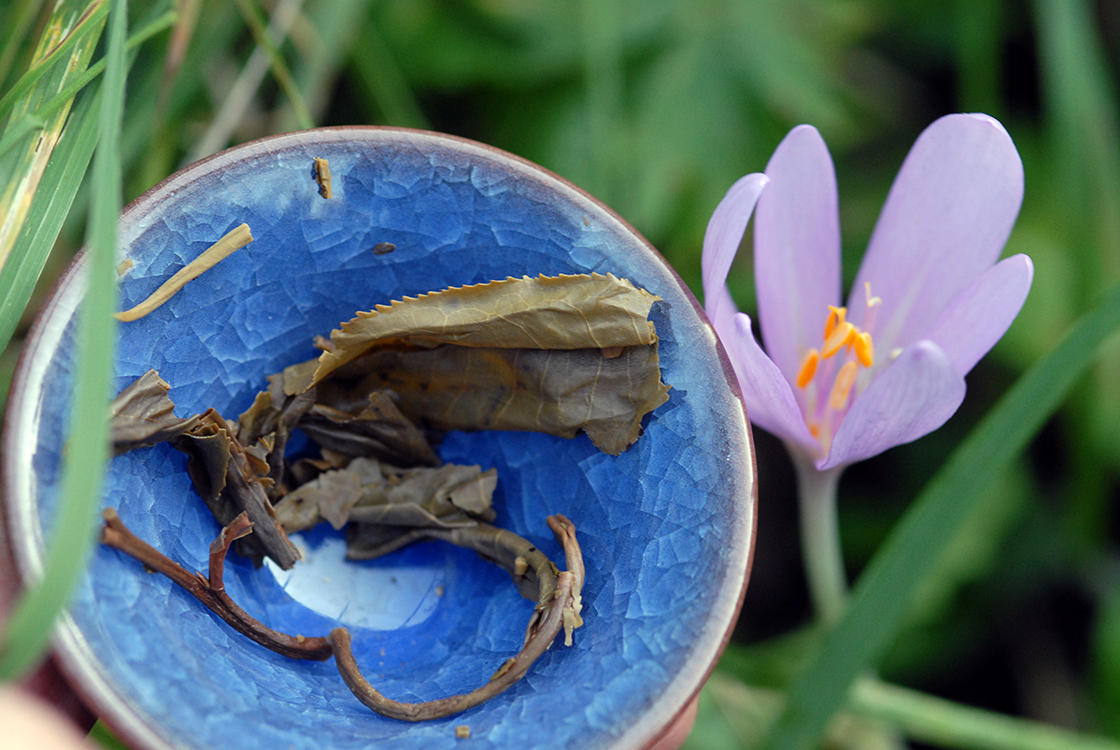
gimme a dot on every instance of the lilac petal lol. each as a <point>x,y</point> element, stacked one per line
<point>767,394</point>
<point>945,222</point>
<point>721,312</point>
<point>913,396</point>
<point>797,248</point>
<point>982,313</point>
<point>725,232</point>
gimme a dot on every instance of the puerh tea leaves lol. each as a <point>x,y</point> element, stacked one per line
<point>558,355</point>
<point>578,311</point>
<point>553,354</point>
<point>558,608</point>
<point>557,592</point>
<point>231,481</point>
<point>143,415</point>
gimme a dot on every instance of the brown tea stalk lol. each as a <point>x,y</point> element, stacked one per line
<point>558,609</point>
<point>210,590</point>
<point>235,239</point>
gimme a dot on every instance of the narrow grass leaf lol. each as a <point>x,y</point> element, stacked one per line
<point>74,528</point>
<point>279,67</point>
<point>14,29</point>
<point>382,79</point>
<point>102,736</point>
<point>64,52</point>
<point>943,723</point>
<point>15,135</point>
<point>18,130</point>
<point>57,188</point>
<point>66,30</point>
<point>1083,117</point>
<point>337,25</point>
<point>60,184</point>
<point>884,593</point>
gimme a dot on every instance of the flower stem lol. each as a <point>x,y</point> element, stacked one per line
<point>820,539</point>
<point>947,724</point>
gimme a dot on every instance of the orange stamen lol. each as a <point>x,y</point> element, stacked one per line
<point>845,379</point>
<point>840,337</point>
<point>815,430</point>
<point>865,350</point>
<point>808,368</point>
<point>835,318</point>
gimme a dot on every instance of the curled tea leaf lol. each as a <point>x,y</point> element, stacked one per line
<point>263,429</point>
<point>377,429</point>
<point>384,504</point>
<point>230,482</point>
<point>548,354</point>
<point>143,415</point>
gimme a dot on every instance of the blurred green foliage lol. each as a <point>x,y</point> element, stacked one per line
<point>655,107</point>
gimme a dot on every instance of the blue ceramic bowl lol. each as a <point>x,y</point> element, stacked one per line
<point>666,527</point>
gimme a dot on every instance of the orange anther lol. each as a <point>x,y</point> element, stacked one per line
<point>815,430</point>
<point>840,337</point>
<point>842,388</point>
<point>836,317</point>
<point>865,350</point>
<point>808,368</point>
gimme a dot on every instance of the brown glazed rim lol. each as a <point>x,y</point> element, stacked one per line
<point>77,660</point>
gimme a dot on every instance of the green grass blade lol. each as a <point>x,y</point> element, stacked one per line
<point>279,67</point>
<point>14,135</point>
<point>14,29</point>
<point>22,168</point>
<point>58,187</point>
<point>48,211</point>
<point>336,25</point>
<point>89,22</point>
<point>36,120</point>
<point>102,736</point>
<point>944,723</point>
<point>885,591</point>
<point>382,79</point>
<point>30,628</point>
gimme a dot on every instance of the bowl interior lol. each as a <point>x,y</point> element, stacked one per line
<point>666,527</point>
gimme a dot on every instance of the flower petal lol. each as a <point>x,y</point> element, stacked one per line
<point>914,395</point>
<point>721,312</point>
<point>982,313</point>
<point>797,248</point>
<point>766,392</point>
<point>945,222</point>
<point>725,232</point>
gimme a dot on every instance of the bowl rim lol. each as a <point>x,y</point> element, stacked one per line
<point>79,663</point>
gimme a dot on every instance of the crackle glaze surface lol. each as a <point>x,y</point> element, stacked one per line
<point>666,527</point>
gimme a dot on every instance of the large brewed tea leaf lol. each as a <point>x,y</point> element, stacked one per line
<point>548,354</point>
<point>385,505</point>
<point>548,312</point>
<point>559,392</point>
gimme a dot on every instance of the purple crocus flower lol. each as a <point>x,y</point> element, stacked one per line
<point>841,384</point>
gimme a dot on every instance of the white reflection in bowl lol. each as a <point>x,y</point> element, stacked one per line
<point>358,595</point>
